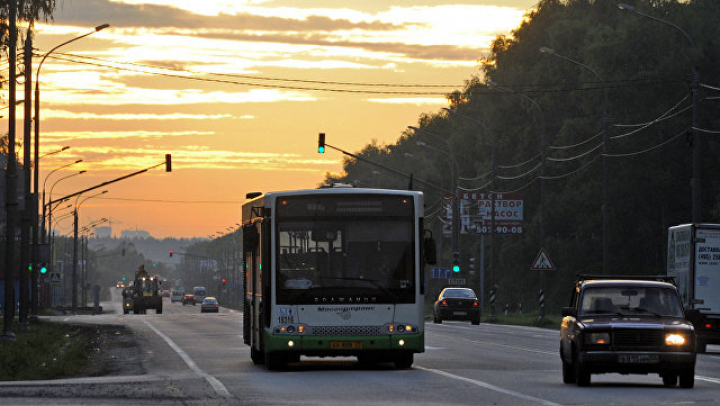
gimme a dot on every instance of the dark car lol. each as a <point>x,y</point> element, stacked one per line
<point>456,304</point>
<point>188,299</point>
<point>627,326</point>
<point>209,304</point>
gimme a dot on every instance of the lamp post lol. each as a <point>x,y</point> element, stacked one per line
<point>78,203</point>
<point>607,265</point>
<point>43,195</point>
<point>696,182</point>
<point>543,149</point>
<point>481,294</point>
<point>455,204</point>
<point>35,222</point>
<point>49,205</point>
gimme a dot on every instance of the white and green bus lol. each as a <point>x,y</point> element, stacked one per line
<point>334,272</point>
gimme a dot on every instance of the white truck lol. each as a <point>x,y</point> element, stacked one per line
<point>694,262</point>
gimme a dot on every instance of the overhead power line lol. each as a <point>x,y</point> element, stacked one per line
<point>645,150</point>
<point>268,78</point>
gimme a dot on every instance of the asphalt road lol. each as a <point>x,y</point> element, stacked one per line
<point>189,358</point>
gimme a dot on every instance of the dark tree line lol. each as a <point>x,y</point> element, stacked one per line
<point>646,70</point>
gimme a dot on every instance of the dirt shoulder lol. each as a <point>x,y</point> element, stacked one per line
<point>113,351</point>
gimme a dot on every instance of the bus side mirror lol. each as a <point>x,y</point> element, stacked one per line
<point>429,247</point>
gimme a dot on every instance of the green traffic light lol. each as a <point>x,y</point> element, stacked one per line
<point>321,150</point>
<point>43,270</point>
<point>456,268</point>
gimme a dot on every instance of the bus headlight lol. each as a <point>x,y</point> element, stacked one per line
<point>674,339</point>
<point>401,343</point>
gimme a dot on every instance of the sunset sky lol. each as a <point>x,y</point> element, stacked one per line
<point>237,92</point>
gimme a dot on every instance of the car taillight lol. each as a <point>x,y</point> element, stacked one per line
<point>475,303</point>
<point>708,326</point>
<point>216,305</point>
<point>444,303</point>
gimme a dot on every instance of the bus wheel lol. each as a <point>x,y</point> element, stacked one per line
<point>275,361</point>
<point>256,356</point>
<point>404,360</point>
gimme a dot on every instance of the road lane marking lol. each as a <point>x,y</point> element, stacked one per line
<point>708,379</point>
<point>214,382</point>
<point>489,386</point>
<point>514,347</point>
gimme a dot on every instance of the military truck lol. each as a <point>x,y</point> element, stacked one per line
<point>146,293</point>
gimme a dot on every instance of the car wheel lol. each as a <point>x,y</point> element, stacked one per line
<point>670,380</point>
<point>437,319</point>
<point>568,373</point>
<point>125,311</point>
<point>687,378</point>
<point>582,375</point>
<point>475,322</point>
<point>701,347</point>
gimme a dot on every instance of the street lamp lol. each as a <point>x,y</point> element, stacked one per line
<point>50,208</point>
<point>35,199</point>
<point>696,182</point>
<point>455,235</point>
<point>543,148</point>
<point>607,266</point>
<point>78,203</point>
<point>43,194</point>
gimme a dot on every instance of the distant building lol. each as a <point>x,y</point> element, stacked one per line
<point>103,232</point>
<point>134,234</point>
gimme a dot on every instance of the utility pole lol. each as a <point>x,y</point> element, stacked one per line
<point>26,260</point>
<point>11,182</point>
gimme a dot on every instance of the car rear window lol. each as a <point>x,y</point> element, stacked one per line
<point>459,293</point>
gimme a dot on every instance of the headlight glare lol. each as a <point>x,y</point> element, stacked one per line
<point>674,339</point>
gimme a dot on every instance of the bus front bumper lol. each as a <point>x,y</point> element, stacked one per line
<point>343,345</point>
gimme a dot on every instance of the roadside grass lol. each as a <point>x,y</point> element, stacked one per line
<point>46,351</point>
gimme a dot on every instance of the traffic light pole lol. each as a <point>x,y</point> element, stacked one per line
<point>321,149</point>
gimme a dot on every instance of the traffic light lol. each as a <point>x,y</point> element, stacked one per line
<point>171,252</point>
<point>223,281</point>
<point>123,278</point>
<point>168,163</point>
<point>456,262</point>
<point>321,143</point>
<point>471,264</point>
<point>43,269</point>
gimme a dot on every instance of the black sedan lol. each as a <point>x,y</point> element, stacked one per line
<point>457,304</point>
<point>188,299</point>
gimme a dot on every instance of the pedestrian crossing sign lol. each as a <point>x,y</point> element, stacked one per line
<point>55,277</point>
<point>542,262</point>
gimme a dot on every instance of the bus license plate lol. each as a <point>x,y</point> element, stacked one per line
<point>346,345</point>
<point>639,359</point>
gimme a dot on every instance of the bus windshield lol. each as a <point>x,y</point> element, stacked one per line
<point>343,256</point>
<point>370,260</point>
